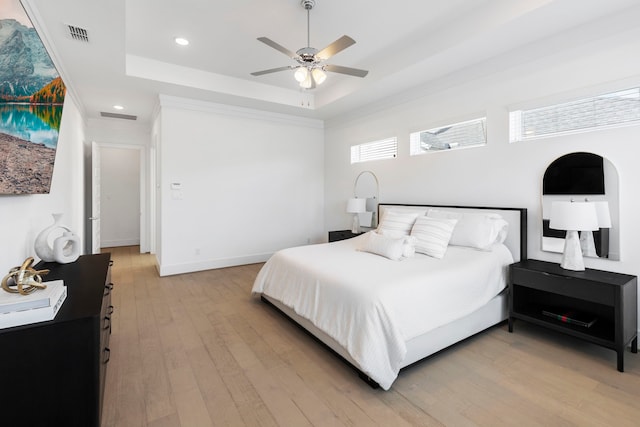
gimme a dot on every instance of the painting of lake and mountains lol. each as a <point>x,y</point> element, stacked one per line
<point>31,98</point>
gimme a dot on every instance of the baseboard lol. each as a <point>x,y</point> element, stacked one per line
<point>190,267</point>
<point>120,242</point>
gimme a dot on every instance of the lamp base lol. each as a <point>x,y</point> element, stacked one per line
<point>355,228</point>
<point>587,244</point>
<point>572,255</point>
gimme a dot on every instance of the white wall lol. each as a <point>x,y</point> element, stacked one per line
<point>118,132</point>
<point>119,197</point>
<point>23,217</point>
<point>499,174</point>
<point>250,182</point>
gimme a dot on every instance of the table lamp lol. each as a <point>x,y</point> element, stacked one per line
<point>356,206</point>
<point>573,217</point>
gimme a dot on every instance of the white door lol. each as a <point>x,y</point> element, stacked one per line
<point>95,198</point>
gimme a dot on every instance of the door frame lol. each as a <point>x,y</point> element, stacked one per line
<point>144,198</point>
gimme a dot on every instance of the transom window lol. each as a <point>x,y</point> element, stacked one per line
<point>376,150</point>
<point>581,115</point>
<point>471,133</point>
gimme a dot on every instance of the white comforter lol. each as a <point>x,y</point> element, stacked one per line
<point>372,305</point>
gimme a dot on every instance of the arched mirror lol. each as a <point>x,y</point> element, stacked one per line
<point>583,177</point>
<point>366,187</point>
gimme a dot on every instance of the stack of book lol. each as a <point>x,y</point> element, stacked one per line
<point>39,306</point>
<point>573,317</point>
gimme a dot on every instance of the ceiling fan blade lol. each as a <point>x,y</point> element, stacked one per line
<point>272,70</point>
<point>345,70</point>
<point>276,46</point>
<point>337,46</point>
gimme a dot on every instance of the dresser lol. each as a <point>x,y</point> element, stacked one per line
<point>53,373</point>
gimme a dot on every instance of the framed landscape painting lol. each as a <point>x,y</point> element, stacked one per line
<point>31,98</point>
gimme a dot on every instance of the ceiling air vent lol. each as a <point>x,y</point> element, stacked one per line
<point>78,33</point>
<point>118,116</point>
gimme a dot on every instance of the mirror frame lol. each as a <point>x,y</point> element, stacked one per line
<point>366,186</point>
<point>607,240</point>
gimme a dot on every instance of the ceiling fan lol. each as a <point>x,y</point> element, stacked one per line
<point>311,68</point>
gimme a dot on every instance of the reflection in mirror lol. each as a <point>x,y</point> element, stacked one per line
<point>583,177</point>
<point>366,186</point>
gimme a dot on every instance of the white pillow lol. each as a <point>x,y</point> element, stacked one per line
<point>433,235</point>
<point>388,247</point>
<point>409,246</point>
<point>396,224</point>
<point>475,230</point>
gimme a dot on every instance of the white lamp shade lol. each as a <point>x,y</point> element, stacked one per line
<point>318,75</point>
<point>573,216</point>
<point>301,74</point>
<point>355,205</point>
<point>602,211</point>
<point>307,82</point>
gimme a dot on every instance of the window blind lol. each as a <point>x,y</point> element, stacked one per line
<point>376,150</point>
<point>582,115</point>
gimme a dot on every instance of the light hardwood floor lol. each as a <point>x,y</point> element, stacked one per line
<point>198,350</point>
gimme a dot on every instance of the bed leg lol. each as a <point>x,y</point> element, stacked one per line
<point>364,377</point>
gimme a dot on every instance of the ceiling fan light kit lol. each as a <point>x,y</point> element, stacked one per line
<point>310,70</point>
<point>307,83</point>
<point>318,75</point>
<point>301,74</point>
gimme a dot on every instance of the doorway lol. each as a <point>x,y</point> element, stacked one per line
<point>118,197</point>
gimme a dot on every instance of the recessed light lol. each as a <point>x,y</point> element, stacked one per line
<point>181,41</point>
<point>118,107</point>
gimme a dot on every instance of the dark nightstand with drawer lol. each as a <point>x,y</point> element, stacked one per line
<point>334,236</point>
<point>609,299</point>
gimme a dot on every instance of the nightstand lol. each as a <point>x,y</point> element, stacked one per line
<point>334,236</point>
<point>610,299</point>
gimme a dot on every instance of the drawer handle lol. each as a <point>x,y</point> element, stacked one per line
<point>110,262</point>
<point>110,310</point>
<point>107,323</point>
<point>107,288</point>
<point>107,355</point>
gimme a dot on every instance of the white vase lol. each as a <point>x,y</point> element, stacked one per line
<point>66,248</point>
<point>43,248</point>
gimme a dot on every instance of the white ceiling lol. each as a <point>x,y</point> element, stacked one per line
<point>131,57</point>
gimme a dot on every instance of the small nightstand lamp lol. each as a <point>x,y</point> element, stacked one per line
<point>604,221</point>
<point>356,206</point>
<point>573,217</point>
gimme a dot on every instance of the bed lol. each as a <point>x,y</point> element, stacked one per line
<point>382,312</point>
